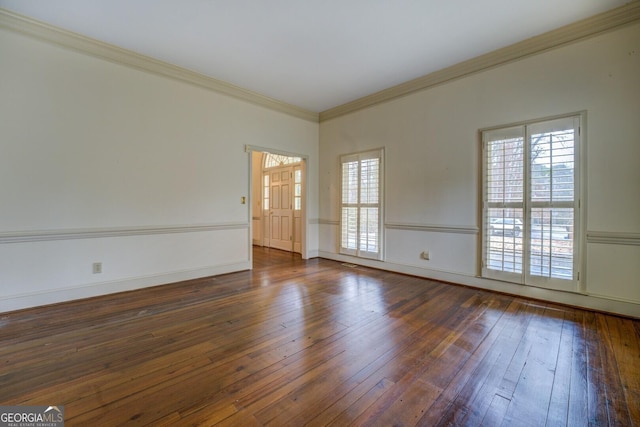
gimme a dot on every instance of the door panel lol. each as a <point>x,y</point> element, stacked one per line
<point>281,209</point>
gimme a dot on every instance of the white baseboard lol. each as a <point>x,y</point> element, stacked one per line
<point>591,302</point>
<point>18,302</point>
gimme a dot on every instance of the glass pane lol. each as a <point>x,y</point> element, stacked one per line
<point>504,240</point>
<point>552,243</point>
<point>350,182</point>
<point>265,200</point>
<point>349,227</point>
<point>369,181</point>
<point>274,160</point>
<point>369,229</point>
<point>505,170</point>
<point>552,166</point>
<point>297,189</point>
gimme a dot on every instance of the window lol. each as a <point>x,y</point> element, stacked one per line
<point>361,205</point>
<point>274,160</point>
<point>297,188</point>
<point>265,191</point>
<point>531,203</point>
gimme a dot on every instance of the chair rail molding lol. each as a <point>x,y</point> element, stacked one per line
<point>94,233</point>
<point>613,238</point>
<point>437,228</point>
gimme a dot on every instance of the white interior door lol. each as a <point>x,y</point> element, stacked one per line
<point>281,208</point>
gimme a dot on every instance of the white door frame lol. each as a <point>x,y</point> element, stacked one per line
<point>305,190</point>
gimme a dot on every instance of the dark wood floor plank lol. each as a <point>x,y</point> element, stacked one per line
<point>353,403</point>
<point>422,364</point>
<point>626,349</point>
<point>558,412</point>
<point>617,408</point>
<point>532,393</point>
<point>333,379</point>
<point>258,392</point>
<point>316,387</point>
<point>470,393</point>
<point>629,366</point>
<point>496,411</point>
<point>316,343</point>
<point>597,414</point>
<point>578,411</point>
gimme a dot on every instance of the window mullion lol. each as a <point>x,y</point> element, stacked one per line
<point>526,205</point>
<point>359,208</point>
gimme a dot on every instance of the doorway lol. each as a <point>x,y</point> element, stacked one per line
<point>278,201</point>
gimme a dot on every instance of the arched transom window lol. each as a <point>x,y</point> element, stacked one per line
<point>274,160</point>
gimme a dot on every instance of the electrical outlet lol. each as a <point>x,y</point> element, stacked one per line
<point>425,255</point>
<point>97,267</point>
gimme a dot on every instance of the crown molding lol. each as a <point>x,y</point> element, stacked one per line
<point>597,24</point>
<point>70,40</point>
<point>580,30</point>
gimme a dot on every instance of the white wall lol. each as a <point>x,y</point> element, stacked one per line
<point>433,164</point>
<point>100,162</point>
<point>148,170</point>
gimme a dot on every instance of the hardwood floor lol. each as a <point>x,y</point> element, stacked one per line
<point>295,343</point>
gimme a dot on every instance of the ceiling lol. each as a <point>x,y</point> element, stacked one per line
<point>314,54</point>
